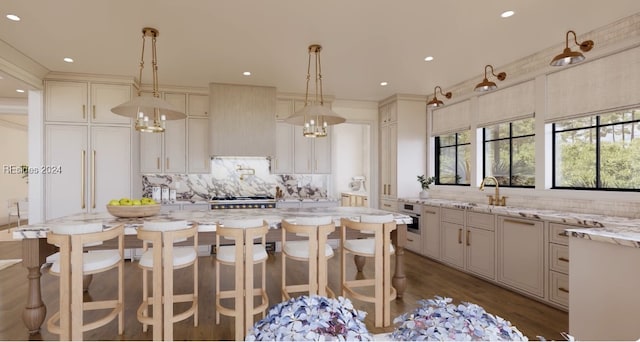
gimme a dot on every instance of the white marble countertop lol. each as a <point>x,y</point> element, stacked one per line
<point>612,229</point>
<point>206,219</point>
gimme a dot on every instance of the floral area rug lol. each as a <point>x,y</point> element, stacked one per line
<point>9,262</point>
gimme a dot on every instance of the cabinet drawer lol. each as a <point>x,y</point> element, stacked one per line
<point>559,288</point>
<point>556,233</point>
<point>388,205</point>
<point>559,258</point>
<point>480,220</point>
<point>453,215</point>
<point>414,242</point>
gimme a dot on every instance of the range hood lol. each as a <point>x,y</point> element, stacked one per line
<point>242,120</point>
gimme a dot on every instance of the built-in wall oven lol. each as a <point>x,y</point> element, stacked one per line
<point>414,210</point>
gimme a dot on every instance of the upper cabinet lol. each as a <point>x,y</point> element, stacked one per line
<point>242,120</point>
<point>198,105</point>
<point>83,102</point>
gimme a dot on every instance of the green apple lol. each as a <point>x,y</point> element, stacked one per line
<point>145,200</point>
<point>136,202</point>
<point>125,201</point>
<point>114,202</point>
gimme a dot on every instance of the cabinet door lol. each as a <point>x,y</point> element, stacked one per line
<point>151,152</point>
<point>414,242</point>
<point>431,231</point>
<point>521,254</point>
<point>198,105</point>
<point>66,101</point>
<point>322,153</point>
<point>393,161</point>
<point>199,160</point>
<point>106,96</point>
<point>66,191</point>
<point>452,244</point>
<point>110,166</point>
<point>175,146</point>
<point>481,249</point>
<point>284,109</point>
<point>302,150</point>
<point>384,161</point>
<point>283,160</point>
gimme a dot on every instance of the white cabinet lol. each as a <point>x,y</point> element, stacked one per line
<point>480,244</point>
<point>95,167</point>
<point>403,146</point>
<point>430,227</point>
<point>165,152</point>
<point>198,105</point>
<point>559,264</point>
<point>69,101</point>
<point>452,234</point>
<point>282,162</point>
<point>521,254</point>
<point>198,158</point>
<point>414,242</point>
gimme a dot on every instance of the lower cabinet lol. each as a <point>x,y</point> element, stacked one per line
<point>452,247</point>
<point>521,254</point>
<point>559,265</point>
<point>480,248</point>
<point>413,242</point>
<point>430,231</point>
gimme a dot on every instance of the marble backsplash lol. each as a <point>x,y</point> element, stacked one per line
<point>238,176</point>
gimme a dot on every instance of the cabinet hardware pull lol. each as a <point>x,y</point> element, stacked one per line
<point>520,222</point>
<point>93,180</point>
<point>94,112</point>
<point>410,240</point>
<point>315,167</point>
<point>459,236</point>
<point>429,212</point>
<point>158,163</point>
<point>389,189</point>
<point>563,234</point>
<point>168,167</point>
<point>387,205</point>
<point>84,111</point>
<point>563,289</point>
<point>83,178</point>
<point>563,259</point>
<point>468,238</point>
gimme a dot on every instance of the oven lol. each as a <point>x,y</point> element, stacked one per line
<point>414,210</point>
<point>237,202</point>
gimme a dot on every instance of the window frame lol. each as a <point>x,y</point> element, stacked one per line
<point>438,148</point>
<point>510,138</point>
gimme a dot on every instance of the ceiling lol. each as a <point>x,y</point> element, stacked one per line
<point>364,42</point>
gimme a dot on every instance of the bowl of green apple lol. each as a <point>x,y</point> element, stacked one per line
<point>126,207</point>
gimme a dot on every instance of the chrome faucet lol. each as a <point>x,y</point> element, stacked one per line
<point>495,199</point>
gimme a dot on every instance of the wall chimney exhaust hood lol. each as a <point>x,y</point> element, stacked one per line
<point>242,120</point>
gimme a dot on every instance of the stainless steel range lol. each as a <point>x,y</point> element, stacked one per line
<point>238,202</point>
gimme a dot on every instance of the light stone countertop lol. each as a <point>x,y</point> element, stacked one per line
<point>611,229</point>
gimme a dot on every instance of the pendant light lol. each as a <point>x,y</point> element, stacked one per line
<point>314,116</point>
<point>571,57</point>
<point>435,102</point>
<point>150,113</point>
<point>487,85</point>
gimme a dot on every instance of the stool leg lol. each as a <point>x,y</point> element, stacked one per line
<point>217,265</point>
<point>379,281</point>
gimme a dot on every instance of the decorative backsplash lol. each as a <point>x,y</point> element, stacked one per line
<point>238,176</point>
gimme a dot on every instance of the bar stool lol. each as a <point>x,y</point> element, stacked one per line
<point>315,250</point>
<point>73,263</point>
<point>380,248</point>
<point>243,255</point>
<point>161,258</point>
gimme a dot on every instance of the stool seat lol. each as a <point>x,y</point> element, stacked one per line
<point>93,261</point>
<point>182,256</point>
<point>300,249</point>
<point>365,247</point>
<point>227,253</point>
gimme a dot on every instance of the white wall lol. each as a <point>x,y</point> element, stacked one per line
<point>13,139</point>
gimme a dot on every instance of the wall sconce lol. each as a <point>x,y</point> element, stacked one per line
<point>487,85</point>
<point>571,57</point>
<point>435,102</point>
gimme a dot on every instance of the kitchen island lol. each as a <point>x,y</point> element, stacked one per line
<point>36,249</point>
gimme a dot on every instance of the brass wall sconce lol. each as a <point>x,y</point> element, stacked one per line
<point>435,102</point>
<point>572,57</point>
<point>487,85</point>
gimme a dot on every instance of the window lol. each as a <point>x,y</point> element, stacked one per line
<point>509,153</point>
<point>598,152</point>
<point>453,155</point>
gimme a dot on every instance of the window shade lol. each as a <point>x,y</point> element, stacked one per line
<point>452,118</point>
<point>508,104</point>
<point>602,84</point>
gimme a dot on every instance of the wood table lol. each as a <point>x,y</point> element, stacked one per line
<point>35,248</point>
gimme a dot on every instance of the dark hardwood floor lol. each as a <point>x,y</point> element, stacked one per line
<point>425,279</point>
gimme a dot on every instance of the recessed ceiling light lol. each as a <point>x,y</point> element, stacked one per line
<point>13,17</point>
<point>68,59</point>
<point>20,90</point>
<point>428,58</point>
<point>247,73</point>
<point>1,77</point>
<point>507,14</point>
<point>383,83</point>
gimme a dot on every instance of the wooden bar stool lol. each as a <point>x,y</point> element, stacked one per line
<point>315,250</point>
<point>380,248</point>
<point>242,255</point>
<point>73,263</point>
<point>161,258</point>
